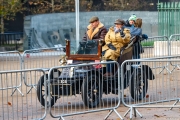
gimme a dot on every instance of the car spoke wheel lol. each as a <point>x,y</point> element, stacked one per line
<point>91,91</point>
<point>138,87</point>
<point>41,92</point>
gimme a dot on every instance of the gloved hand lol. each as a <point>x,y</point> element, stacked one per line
<point>144,36</point>
<point>82,43</point>
<point>122,33</point>
<point>64,49</point>
<point>103,53</point>
<point>111,46</point>
<point>91,41</point>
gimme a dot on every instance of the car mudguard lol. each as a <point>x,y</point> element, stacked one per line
<point>148,71</point>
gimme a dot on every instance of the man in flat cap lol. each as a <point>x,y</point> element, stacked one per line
<point>95,30</point>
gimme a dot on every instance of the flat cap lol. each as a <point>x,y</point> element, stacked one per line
<point>119,21</point>
<point>93,19</point>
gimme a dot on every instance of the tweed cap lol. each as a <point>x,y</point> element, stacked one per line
<point>93,19</point>
<point>119,21</point>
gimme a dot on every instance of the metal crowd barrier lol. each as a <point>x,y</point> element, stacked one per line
<point>83,90</point>
<point>16,107</point>
<point>41,58</point>
<point>11,60</point>
<point>157,46</point>
<point>162,92</point>
<point>174,43</point>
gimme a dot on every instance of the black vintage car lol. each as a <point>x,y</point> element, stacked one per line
<point>88,80</point>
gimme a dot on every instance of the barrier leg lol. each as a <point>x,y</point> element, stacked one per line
<point>165,67</point>
<point>175,103</point>
<point>175,67</point>
<point>31,88</point>
<point>18,91</point>
<point>61,118</point>
<point>138,113</point>
<point>131,110</point>
<point>115,112</point>
<point>127,112</point>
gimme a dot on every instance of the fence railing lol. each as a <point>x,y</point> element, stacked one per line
<point>16,107</point>
<point>14,39</point>
<point>94,93</point>
<point>162,92</point>
<point>168,17</point>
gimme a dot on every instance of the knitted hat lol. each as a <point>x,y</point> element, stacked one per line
<point>133,17</point>
<point>93,19</point>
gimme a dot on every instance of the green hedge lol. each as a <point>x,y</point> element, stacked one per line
<point>147,44</point>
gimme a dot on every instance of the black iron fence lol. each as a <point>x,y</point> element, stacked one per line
<point>10,38</point>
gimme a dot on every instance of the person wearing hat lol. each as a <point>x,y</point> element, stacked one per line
<point>95,30</point>
<point>116,38</point>
<point>131,21</point>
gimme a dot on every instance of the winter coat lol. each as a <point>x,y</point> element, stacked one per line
<point>135,31</point>
<point>117,41</point>
<point>127,23</point>
<point>98,33</point>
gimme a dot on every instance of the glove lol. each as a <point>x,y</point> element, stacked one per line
<point>111,46</point>
<point>144,36</point>
<point>64,49</point>
<point>122,33</point>
<point>82,43</point>
<point>103,53</point>
<point>91,41</point>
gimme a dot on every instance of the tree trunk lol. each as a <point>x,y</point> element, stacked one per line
<point>2,24</point>
<point>122,3</point>
<point>52,1</point>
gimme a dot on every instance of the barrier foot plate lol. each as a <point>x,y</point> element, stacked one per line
<point>115,112</point>
<point>175,66</point>
<point>135,111</point>
<point>165,67</point>
<point>31,89</point>
<point>175,104</point>
<point>18,91</point>
<point>61,118</point>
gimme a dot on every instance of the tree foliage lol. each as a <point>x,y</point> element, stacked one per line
<point>49,6</point>
<point>8,10</point>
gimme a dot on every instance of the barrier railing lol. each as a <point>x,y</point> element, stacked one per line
<point>93,92</point>
<point>174,42</point>
<point>41,58</point>
<point>16,107</point>
<point>156,46</point>
<point>11,60</point>
<point>158,92</point>
<point>143,92</point>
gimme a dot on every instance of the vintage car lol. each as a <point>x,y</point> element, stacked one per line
<point>88,80</point>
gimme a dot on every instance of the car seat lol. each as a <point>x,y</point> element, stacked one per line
<point>126,52</point>
<point>88,47</point>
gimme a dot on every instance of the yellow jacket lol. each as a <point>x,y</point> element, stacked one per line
<point>117,41</point>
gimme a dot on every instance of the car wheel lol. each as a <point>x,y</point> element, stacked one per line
<point>41,92</point>
<point>91,91</point>
<point>138,86</point>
